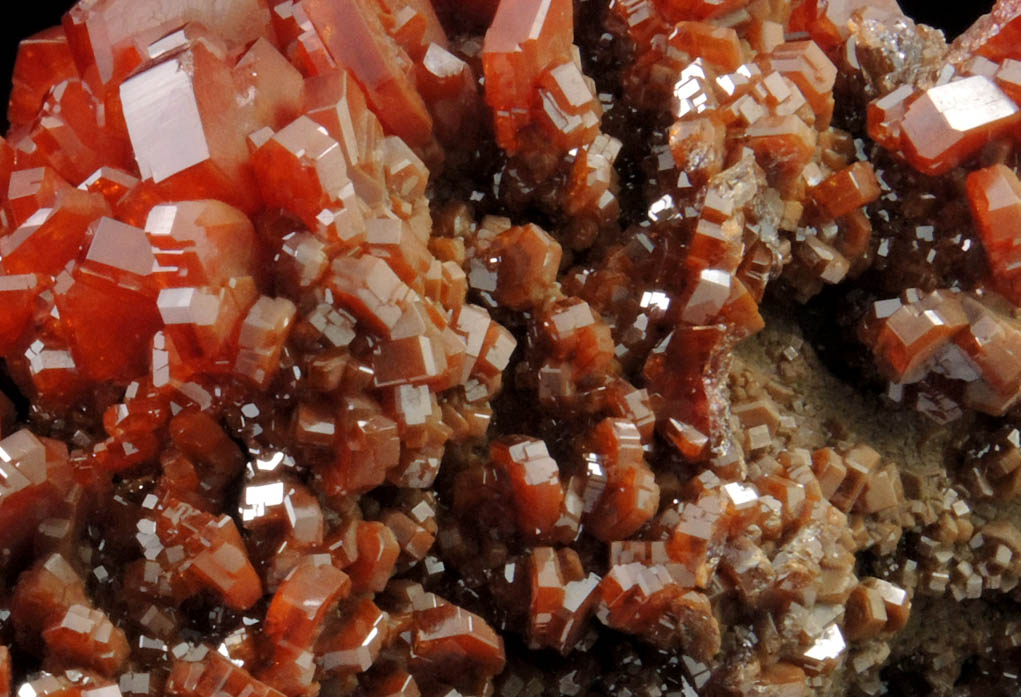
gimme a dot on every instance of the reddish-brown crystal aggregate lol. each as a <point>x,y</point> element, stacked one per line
<point>384,347</point>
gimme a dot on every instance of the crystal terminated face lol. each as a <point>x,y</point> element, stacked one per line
<point>163,120</point>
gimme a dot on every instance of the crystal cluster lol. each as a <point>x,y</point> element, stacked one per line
<point>211,213</point>
<point>392,348</point>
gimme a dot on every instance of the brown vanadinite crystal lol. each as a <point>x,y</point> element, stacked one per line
<point>398,347</point>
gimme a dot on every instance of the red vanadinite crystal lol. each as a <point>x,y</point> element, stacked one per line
<point>993,35</point>
<point>995,197</point>
<point>526,38</point>
<point>364,48</point>
<point>356,641</point>
<point>827,20</point>
<point>949,123</point>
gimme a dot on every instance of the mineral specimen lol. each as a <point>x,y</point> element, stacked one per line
<point>392,347</point>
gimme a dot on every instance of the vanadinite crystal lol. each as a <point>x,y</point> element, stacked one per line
<point>447,348</point>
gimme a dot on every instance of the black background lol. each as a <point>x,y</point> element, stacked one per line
<point>35,15</point>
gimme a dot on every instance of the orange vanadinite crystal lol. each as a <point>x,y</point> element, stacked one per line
<point>368,447</point>
<point>569,112</point>
<point>6,167</point>
<point>994,35</point>
<point>676,10</point>
<point>896,601</point>
<point>109,327</point>
<point>527,259</point>
<point>995,197</point>
<point>89,638</point>
<point>295,618</point>
<point>203,151</point>
<point>395,683</point>
<point>697,147</point>
<point>576,333</point>
<point>992,343</point>
<point>561,599</point>
<point>219,558</point>
<point>261,339</point>
<point>866,613</point>
<point>301,168</point>
<point>719,46</point>
<point>907,333</point>
<point>200,243</point>
<point>1008,77</point>
<point>107,37</point>
<point>364,48</point>
<point>377,554</point>
<point>645,600</point>
<point>442,74</point>
<point>828,20</point>
<point>336,101</point>
<point>43,60</point>
<point>69,133</point>
<point>884,116</point>
<point>370,289</point>
<point>53,234</point>
<point>783,145</point>
<point>265,75</point>
<point>690,414</point>
<point>202,672</point>
<point>949,123</point>
<point>631,495</point>
<point>407,255</point>
<point>535,483</point>
<point>110,182</point>
<point>453,643</point>
<point>850,188</point>
<point>418,26</point>
<point>449,86</point>
<point>215,458</point>
<point>34,481</point>
<point>354,644</point>
<point>809,68</point>
<point>415,541</point>
<point>526,38</point>
<point>30,190</point>
<point>18,294</point>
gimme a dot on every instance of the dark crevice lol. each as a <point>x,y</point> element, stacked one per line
<point>952,17</point>
<point>9,388</point>
<point>905,679</point>
<point>829,324</point>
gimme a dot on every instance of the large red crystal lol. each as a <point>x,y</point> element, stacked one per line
<point>535,482</point>
<point>355,38</point>
<point>202,672</point>
<point>218,559</point>
<point>949,123</point>
<point>525,38</point>
<point>993,35</point>
<point>995,197</point>
<point>202,151</point>
<point>34,477</point>
<point>43,59</point>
